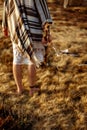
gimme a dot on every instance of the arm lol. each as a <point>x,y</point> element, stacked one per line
<point>4,21</point>
<point>44,14</point>
<point>46,34</point>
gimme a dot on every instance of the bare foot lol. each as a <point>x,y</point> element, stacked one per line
<point>20,91</point>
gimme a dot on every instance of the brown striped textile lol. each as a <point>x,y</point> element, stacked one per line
<point>25,20</point>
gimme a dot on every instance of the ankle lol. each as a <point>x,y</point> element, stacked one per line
<point>34,86</point>
<point>20,88</point>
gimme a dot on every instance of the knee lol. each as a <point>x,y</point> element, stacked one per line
<point>32,67</point>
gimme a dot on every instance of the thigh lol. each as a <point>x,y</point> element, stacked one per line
<point>20,57</point>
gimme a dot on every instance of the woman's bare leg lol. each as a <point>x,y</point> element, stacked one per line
<point>32,79</point>
<point>17,72</point>
<point>32,74</point>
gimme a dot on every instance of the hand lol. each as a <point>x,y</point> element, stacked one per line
<point>49,38</point>
<point>46,40</point>
<point>5,31</point>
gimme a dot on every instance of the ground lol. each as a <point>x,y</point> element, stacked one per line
<point>62,103</point>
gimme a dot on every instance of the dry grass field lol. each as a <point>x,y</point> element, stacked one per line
<point>62,103</point>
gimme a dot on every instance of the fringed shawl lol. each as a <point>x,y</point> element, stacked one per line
<point>25,20</point>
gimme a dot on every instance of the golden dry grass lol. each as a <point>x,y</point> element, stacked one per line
<point>62,104</point>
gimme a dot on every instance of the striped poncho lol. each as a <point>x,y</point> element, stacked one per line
<point>25,20</point>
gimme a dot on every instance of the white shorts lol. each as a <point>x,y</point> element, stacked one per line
<point>20,57</point>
